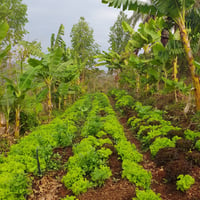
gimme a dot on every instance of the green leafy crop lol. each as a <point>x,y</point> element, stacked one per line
<point>128,151</point>
<point>146,195</point>
<point>197,145</point>
<point>99,175</point>
<point>184,183</point>
<point>160,143</point>
<point>70,198</point>
<point>87,160</point>
<point>125,102</point>
<point>136,174</point>
<point>191,135</point>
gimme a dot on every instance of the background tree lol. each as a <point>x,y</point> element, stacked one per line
<point>83,44</point>
<point>15,13</point>
<point>118,38</point>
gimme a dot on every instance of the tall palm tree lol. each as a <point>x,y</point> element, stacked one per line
<point>175,9</point>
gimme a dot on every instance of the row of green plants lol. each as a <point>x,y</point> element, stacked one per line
<point>33,154</point>
<point>128,153</point>
<point>88,166</point>
<point>154,132</point>
<point>90,155</point>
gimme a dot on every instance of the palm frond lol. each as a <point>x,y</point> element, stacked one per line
<point>175,47</point>
<point>136,5</point>
<point>59,41</point>
<point>172,8</point>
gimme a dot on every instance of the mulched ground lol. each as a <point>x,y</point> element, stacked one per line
<point>49,187</point>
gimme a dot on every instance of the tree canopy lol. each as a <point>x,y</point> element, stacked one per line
<point>15,13</point>
<point>83,44</point>
<point>118,38</point>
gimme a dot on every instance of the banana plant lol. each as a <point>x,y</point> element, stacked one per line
<point>3,52</point>
<point>175,9</point>
<point>54,70</point>
<point>26,49</point>
<point>6,103</point>
<point>112,60</point>
<point>17,90</point>
<point>3,32</point>
<point>146,38</point>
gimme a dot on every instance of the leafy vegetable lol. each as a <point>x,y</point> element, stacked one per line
<point>146,195</point>
<point>161,143</point>
<point>184,182</point>
<point>136,174</point>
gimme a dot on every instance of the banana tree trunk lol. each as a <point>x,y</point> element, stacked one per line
<point>7,126</point>
<point>59,102</point>
<point>49,101</point>
<point>137,83</point>
<point>190,59</point>
<point>175,72</point>
<point>147,86</point>
<point>1,120</point>
<point>17,121</point>
<point>65,101</point>
<point>69,98</point>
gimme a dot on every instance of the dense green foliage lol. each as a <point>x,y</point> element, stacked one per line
<point>9,10</point>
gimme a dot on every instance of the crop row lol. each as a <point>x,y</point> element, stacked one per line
<point>33,154</point>
<point>155,133</point>
<point>152,130</point>
<point>103,123</point>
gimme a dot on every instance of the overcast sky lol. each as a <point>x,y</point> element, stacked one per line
<point>45,17</point>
